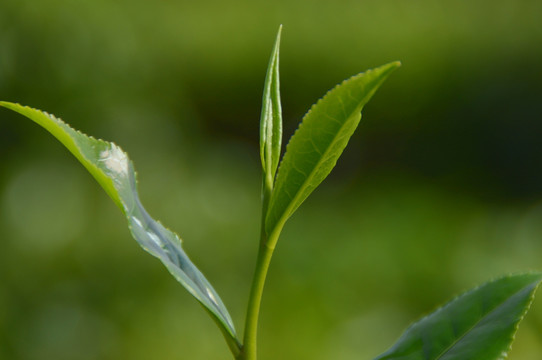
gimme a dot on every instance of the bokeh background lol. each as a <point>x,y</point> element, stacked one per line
<point>439,190</point>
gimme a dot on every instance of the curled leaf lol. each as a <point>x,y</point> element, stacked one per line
<point>114,171</point>
<point>271,118</point>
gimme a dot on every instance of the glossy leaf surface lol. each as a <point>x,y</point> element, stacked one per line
<point>319,141</point>
<point>113,170</point>
<point>479,324</point>
<point>271,117</point>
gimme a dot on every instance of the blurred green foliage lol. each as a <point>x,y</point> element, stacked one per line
<point>440,189</point>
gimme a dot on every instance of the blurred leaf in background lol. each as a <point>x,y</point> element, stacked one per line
<point>439,190</point>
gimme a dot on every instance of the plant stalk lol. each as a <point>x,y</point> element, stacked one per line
<point>248,351</point>
<point>265,253</point>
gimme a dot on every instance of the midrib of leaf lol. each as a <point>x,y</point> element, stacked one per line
<point>495,308</point>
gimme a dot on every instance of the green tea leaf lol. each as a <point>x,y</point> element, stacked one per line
<point>479,324</point>
<point>113,170</point>
<point>319,141</point>
<point>271,117</point>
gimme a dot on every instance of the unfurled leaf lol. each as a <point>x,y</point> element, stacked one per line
<point>271,117</point>
<point>478,325</point>
<point>113,170</point>
<point>321,138</point>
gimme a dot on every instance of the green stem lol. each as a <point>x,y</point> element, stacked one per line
<point>251,327</point>
<point>265,253</point>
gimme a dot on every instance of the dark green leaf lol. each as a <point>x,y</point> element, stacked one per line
<point>321,138</point>
<point>478,325</point>
<point>113,170</point>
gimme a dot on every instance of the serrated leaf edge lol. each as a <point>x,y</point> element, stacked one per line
<point>438,309</point>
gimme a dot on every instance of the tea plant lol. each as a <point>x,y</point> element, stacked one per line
<point>479,324</point>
